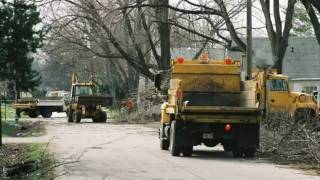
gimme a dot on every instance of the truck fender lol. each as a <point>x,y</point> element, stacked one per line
<point>165,117</point>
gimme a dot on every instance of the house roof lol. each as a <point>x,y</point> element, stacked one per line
<point>302,58</point>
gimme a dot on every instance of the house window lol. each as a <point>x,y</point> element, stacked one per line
<point>309,89</point>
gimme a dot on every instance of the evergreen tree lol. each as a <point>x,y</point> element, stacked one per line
<point>20,36</point>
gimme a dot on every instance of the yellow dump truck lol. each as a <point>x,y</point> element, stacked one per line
<point>54,101</point>
<point>206,104</point>
<point>274,96</point>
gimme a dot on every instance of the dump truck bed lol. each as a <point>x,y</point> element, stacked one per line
<point>25,103</point>
<point>50,103</point>
<point>220,114</point>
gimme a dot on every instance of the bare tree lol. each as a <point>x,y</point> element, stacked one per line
<point>128,33</point>
<point>92,21</point>
<point>278,31</point>
<point>309,6</point>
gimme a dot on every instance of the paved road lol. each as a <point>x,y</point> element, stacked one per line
<point>125,152</point>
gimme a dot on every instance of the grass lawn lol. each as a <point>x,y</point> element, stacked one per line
<point>8,124</point>
<point>11,154</point>
<point>25,127</point>
<point>9,129</point>
<point>7,112</point>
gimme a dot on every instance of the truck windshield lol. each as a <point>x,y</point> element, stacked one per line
<point>84,90</point>
<point>278,85</point>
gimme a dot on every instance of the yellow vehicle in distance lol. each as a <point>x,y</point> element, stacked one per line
<point>86,102</point>
<point>54,101</point>
<point>275,90</point>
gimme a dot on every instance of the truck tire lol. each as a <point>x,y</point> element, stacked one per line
<point>164,143</point>
<point>249,152</point>
<point>187,151</point>
<point>227,148</point>
<point>103,117</point>
<point>100,117</point>
<point>175,149</point>
<point>46,113</point>
<point>76,116</point>
<point>237,152</point>
<point>69,114</point>
<point>18,113</point>
<point>33,114</point>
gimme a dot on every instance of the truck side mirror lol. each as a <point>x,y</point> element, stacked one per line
<point>157,81</point>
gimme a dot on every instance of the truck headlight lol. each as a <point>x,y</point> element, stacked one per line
<point>302,98</point>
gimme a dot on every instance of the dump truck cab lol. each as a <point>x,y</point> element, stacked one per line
<point>206,104</point>
<point>280,99</point>
<point>26,103</point>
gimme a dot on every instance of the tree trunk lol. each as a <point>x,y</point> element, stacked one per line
<point>278,38</point>
<point>313,18</point>
<point>162,14</point>
<point>279,65</point>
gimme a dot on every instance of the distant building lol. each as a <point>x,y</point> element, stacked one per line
<point>301,62</point>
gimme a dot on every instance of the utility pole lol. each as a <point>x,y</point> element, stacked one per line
<point>0,122</point>
<point>249,40</point>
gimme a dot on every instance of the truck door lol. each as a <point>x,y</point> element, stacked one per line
<point>279,97</point>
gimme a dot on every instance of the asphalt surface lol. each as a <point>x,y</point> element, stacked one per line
<point>92,151</point>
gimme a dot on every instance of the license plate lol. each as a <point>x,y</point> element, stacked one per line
<point>207,135</point>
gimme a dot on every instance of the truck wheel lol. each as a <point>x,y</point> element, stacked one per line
<point>175,149</point>
<point>76,116</point>
<point>187,151</point>
<point>237,152</point>
<point>164,143</point>
<point>249,152</point>
<point>227,148</point>
<point>33,113</point>
<point>69,114</point>
<point>103,116</point>
<point>46,113</point>
<point>100,117</point>
<point>18,113</point>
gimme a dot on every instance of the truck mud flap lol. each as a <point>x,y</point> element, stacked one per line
<point>248,135</point>
<point>184,135</point>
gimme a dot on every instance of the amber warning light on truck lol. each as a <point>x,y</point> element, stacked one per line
<point>228,61</point>
<point>180,60</point>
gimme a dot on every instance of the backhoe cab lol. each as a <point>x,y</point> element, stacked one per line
<point>86,102</point>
